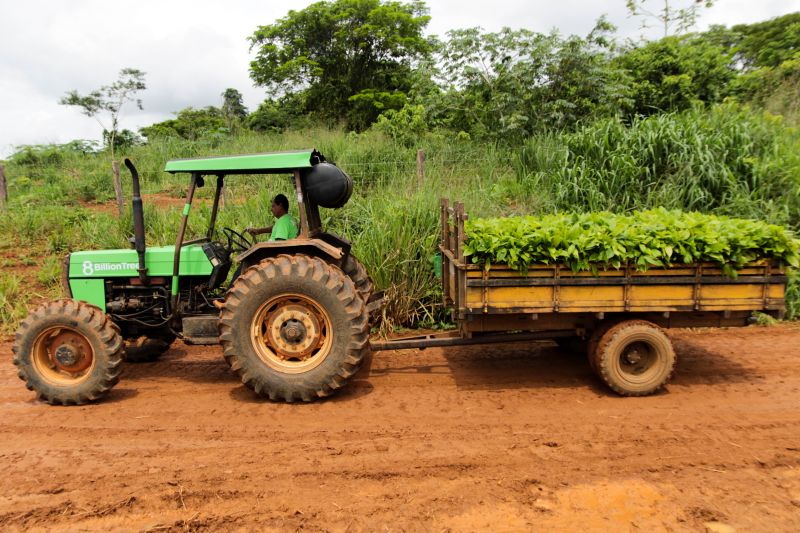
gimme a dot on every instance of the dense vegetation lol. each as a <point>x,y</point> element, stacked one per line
<point>512,123</point>
<point>642,239</point>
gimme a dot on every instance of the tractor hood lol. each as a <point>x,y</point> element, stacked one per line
<point>124,263</point>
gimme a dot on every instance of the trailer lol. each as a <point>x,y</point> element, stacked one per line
<point>618,316</point>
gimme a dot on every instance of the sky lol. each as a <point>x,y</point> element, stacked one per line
<point>191,51</point>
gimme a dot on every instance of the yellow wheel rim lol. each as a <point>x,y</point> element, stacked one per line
<point>63,356</point>
<point>291,333</point>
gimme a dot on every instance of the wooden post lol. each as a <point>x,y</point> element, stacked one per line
<point>3,189</point>
<point>118,187</point>
<point>420,167</point>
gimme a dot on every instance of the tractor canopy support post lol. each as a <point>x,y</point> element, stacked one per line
<point>301,205</point>
<point>215,207</point>
<point>176,265</point>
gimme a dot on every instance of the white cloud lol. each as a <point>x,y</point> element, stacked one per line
<point>193,50</point>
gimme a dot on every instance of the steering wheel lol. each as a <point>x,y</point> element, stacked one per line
<point>236,241</point>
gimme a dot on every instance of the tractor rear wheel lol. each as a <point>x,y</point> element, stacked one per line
<point>355,271</point>
<point>146,349</point>
<point>294,328</point>
<point>68,352</point>
<point>634,358</point>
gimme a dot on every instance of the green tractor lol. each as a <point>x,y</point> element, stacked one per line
<point>294,325</point>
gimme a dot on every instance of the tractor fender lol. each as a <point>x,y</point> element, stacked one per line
<point>310,247</point>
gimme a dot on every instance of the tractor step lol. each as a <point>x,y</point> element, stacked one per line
<point>200,329</point>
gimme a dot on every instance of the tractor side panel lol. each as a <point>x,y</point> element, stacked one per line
<point>92,291</point>
<point>123,263</point>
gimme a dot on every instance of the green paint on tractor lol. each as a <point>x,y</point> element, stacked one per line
<point>267,163</point>
<point>92,291</point>
<point>95,266</point>
<point>123,263</point>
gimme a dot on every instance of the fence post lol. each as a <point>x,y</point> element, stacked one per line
<point>420,167</point>
<point>3,189</point>
<point>118,187</point>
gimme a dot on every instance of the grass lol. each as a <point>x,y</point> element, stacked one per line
<point>727,160</point>
<point>13,301</point>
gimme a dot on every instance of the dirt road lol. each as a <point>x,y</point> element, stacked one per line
<point>509,438</point>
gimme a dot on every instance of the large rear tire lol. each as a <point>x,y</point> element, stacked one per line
<point>68,352</point>
<point>294,328</point>
<point>634,358</point>
<point>358,274</point>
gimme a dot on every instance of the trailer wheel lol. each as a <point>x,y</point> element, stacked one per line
<point>68,352</point>
<point>294,328</point>
<point>147,349</point>
<point>594,341</point>
<point>634,358</point>
<point>355,271</point>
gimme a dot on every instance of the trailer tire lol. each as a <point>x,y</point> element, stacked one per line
<point>68,352</point>
<point>594,341</point>
<point>147,349</point>
<point>635,358</point>
<point>294,328</point>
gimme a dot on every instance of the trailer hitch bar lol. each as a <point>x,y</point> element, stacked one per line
<point>453,338</point>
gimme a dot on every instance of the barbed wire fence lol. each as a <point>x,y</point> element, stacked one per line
<point>369,172</point>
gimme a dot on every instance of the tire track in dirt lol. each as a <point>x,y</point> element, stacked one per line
<point>506,438</point>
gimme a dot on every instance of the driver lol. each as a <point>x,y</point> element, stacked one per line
<point>284,227</point>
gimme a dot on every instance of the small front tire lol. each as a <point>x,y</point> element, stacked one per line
<point>68,352</point>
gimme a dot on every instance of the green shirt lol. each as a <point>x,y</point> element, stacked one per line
<point>284,229</point>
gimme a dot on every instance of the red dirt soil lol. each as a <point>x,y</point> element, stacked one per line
<point>499,438</point>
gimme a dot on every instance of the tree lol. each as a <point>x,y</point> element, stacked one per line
<point>671,17</point>
<point>233,110</point>
<point>351,59</point>
<point>277,115</point>
<point>516,82</point>
<point>675,72</point>
<point>109,100</point>
<point>123,140</point>
<point>189,123</point>
<point>768,43</point>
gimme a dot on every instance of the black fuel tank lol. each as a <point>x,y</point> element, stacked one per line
<point>327,185</point>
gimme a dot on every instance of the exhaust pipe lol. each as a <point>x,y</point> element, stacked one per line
<point>138,221</point>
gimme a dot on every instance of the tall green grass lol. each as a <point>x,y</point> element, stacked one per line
<point>725,160</point>
<point>13,301</point>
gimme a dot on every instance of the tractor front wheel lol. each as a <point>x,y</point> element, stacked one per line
<point>294,328</point>
<point>68,352</point>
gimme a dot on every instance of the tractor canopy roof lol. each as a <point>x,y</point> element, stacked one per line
<point>267,163</point>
